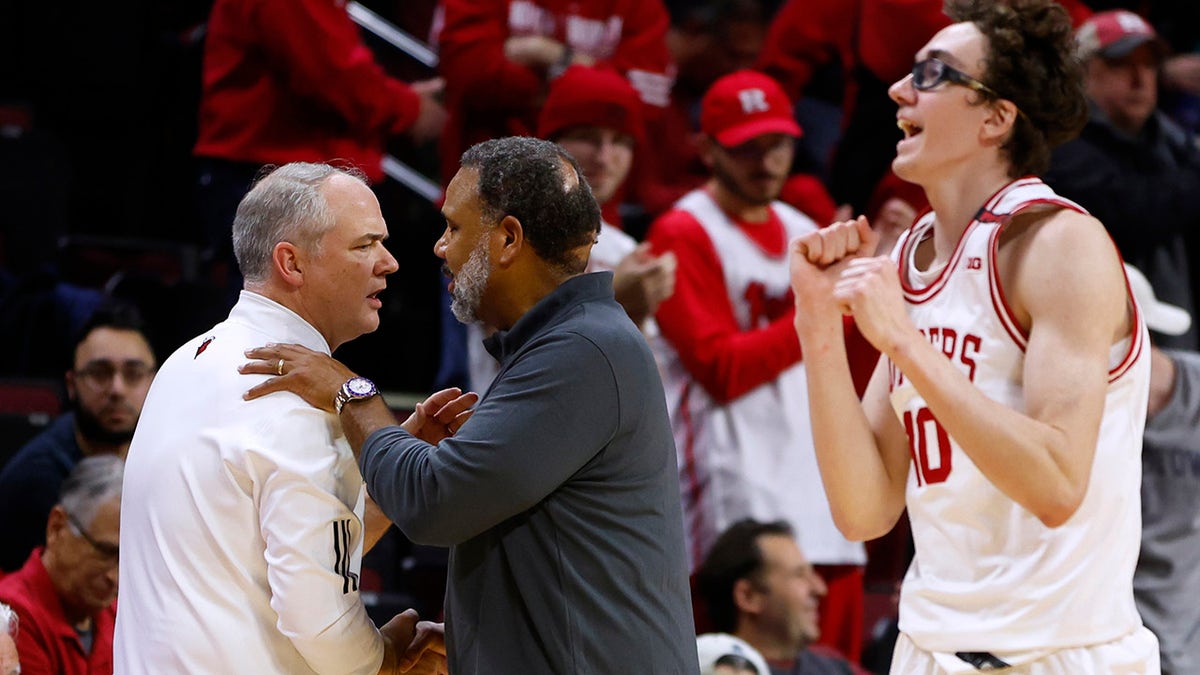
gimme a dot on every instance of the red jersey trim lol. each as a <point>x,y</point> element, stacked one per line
<point>919,296</point>
<point>1137,341</point>
<point>999,301</point>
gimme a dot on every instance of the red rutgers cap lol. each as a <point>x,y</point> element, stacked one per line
<point>586,96</point>
<point>1114,34</point>
<point>743,105</point>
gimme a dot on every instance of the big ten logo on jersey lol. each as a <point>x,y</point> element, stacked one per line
<point>961,350</point>
<point>765,308</point>
<point>753,101</point>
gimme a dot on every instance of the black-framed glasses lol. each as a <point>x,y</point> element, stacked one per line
<point>108,552</point>
<point>932,71</point>
<point>100,374</point>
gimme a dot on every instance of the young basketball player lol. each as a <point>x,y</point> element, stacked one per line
<point>1007,412</point>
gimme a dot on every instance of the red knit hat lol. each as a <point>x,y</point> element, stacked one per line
<point>743,105</point>
<point>586,96</point>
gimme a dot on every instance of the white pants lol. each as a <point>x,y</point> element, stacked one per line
<point>1133,654</point>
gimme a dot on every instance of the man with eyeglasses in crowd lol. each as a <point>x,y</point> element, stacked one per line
<point>65,595</point>
<point>110,374</point>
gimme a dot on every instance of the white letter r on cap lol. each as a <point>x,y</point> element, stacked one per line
<point>753,101</point>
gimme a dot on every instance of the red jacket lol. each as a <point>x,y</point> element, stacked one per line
<point>882,36</point>
<point>488,96</point>
<point>46,641</point>
<point>291,80</point>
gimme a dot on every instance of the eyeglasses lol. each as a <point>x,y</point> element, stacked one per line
<point>931,72</point>
<point>108,553</point>
<point>100,374</point>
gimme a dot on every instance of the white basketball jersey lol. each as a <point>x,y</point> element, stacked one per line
<point>752,457</point>
<point>988,575</point>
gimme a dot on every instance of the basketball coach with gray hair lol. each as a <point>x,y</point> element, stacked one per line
<point>243,527</point>
<point>558,498</point>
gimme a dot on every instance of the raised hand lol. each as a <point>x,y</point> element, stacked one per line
<point>431,117</point>
<point>441,415</point>
<point>817,260</point>
<point>869,288</point>
<point>641,281</point>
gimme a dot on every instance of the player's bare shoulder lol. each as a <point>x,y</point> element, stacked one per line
<point>1049,257</point>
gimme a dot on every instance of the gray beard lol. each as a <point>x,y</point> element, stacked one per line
<point>470,283</point>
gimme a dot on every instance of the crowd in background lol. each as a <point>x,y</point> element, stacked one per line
<point>128,137</point>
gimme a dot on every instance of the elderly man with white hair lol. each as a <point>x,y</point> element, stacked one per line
<point>65,594</point>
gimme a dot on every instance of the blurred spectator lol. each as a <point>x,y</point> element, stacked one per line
<point>293,81</point>
<point>66,593</point>
<point>725,654</point>
<point>1132,167</point>
<point>1166,582</point>
<point>1178,24</point>
<point>107,384</point>
<point>874,42</point>
<point>595,115</point>
<point>499,56</point>
<point>731,360</point>
<point>707,40</point>
<point>10,664</point>
<point>759,586</point>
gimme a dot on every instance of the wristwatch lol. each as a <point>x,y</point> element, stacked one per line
<point>354,389</point>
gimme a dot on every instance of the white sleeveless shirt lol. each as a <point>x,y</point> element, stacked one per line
<point>988,575</point>
<point>752,457</point>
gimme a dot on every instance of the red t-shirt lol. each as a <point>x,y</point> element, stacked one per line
<point>46,641</point>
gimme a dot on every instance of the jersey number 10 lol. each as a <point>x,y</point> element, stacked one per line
<point>929,445</point>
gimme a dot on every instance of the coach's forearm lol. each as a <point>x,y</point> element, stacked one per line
<point>360,419</point>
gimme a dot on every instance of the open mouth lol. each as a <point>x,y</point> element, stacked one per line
<point>908,128</point>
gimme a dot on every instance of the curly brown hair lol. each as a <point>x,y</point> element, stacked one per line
<point>1030,61</point>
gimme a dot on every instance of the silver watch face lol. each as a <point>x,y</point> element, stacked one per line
<point>360,386</point>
